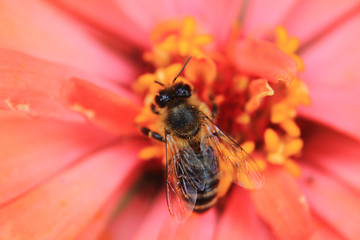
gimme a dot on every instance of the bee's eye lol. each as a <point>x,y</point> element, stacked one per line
<point>183,91</point>
<point>162,99</point>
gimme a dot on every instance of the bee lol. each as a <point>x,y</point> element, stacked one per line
<point>198,153</point>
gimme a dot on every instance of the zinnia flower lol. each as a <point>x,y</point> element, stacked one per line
<point>77,81</point>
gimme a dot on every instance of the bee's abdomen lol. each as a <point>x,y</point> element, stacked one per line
<point>208,197</point>
<point>202,172</point>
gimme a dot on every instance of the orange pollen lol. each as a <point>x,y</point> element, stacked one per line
<point>259,115</point>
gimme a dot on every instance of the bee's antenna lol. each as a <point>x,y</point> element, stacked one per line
<point>182,68</point>
<point>159,83</point>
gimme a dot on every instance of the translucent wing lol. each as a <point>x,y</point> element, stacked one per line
<point>184,177</point>
<point>233,160</point>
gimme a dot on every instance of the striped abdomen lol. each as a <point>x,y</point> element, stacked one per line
<point>206,198</point>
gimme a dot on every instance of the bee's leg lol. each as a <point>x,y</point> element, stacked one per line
<point>153,109</point>
<point>214,107</point>
<point>152,134</point>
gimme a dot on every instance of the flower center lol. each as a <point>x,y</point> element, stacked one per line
<point>259,114</point>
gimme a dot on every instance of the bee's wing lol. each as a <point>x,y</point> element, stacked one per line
<point>233,160</point>
<point>184,177</point>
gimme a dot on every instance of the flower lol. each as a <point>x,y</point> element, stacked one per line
<point>71,149</point>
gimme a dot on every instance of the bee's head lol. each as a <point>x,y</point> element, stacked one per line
<point>175,92</point>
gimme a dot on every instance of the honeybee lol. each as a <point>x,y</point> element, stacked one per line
<point>198,153</point>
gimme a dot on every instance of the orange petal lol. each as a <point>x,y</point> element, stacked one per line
<point>100,106</point>
<point>33,86</point>
<point>34,150</point>
<point>38,88</point>
<point>281,204</point>
<point>201,69</point>
<point>63,206</point>
<point>265,60</point>
<point>258,89</point>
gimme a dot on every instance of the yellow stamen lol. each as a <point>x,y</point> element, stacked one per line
<point>188,28</point>
<point>164,29</point>
<point>184,47</point>
<point>272,140</point>
<point>203,39</point>
<point>293,167</point>
<point>151,152</point>
<point>157,57</point>
<point>298,94</point>
<point>282,112</point>
<point>276,158</point>
<point>145,116</point>
<point>144,82</point>
<point>180,38</point>
<point>248,146</point>
<point>243,119</point>
<point>291,128</point>
<point>289,45</point>
<point>261,164</point>
<point>241,82</point>
<point>224,185</point>
<point>293,147</point>
<point>169,44</point>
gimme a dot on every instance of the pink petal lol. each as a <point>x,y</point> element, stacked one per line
<point>99,221</point>
<point>153,220</point>
<point>334,203</point>
<point>158,224</point>
<point>263,59</point>
<point>33,150</point>
<point>214,16</point>
<point>63,206</point>
<point>95,228</point>
<point>198,226</point>
<point>100,106</point>
<point>240,220</point>
<point>311,19</point>
<point>282,205</point>
<point>334,153</point>
<point>36,28</point>
<point>333,77</point>
<point>323,231</point>
<point>131,216</point>
<point>106,16</point>
<point>263,16</point>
